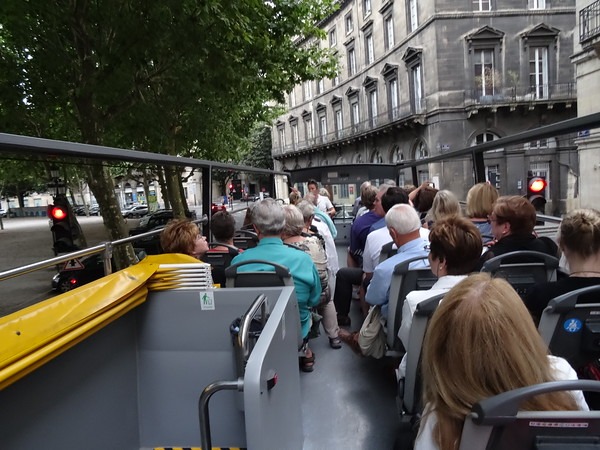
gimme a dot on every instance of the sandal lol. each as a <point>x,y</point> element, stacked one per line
<point>307,363</point>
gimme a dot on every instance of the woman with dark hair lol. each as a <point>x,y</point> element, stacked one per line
<point>481,342</point>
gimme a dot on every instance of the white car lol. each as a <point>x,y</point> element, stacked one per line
<point>135,211</point>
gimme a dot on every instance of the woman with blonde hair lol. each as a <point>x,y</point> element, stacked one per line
<point>480,204</point>
<point>481,342</point>
<point>445,204</point>
<point>579,241</point>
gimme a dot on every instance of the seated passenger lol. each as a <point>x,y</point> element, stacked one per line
<point>403,224</point>
<point>422,198</point>
<point>295,233</point>
<point>512,220</point>
<point>222,227</point>
<point>268,222</point>
<point>480,204</point>
<point>445,204</point>
<point>454,251</point>
<point>183,236</point>
<point>579,240</point>
<point>481,342</point>
<point>360,228</point>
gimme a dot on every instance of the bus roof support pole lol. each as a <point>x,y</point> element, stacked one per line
<point>479,167</point>
<point>206,200</point>
<point>415,177</point>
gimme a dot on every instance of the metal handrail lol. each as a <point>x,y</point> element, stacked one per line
<point>105,247</point>
<point>243,335</point>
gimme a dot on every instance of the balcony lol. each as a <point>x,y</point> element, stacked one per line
<point>589,22</point>
<point>403,114</point>
<point>512,95</point>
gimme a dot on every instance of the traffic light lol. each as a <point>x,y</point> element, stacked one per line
<point>536,191</point>
<point>62,232</point>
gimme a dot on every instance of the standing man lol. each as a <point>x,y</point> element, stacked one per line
<point>323,203</point>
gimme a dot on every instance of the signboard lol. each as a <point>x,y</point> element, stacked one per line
<point>73,264</point>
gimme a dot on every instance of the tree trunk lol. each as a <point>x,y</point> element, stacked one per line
<point>173,180</point>
<point>164,188</point>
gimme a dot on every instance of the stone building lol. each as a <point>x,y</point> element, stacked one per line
<point>418,79</point>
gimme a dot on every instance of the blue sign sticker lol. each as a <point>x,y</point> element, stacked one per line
<point>572,325</point>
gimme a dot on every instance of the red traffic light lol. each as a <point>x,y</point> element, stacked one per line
<point>58,213</point>
<point>537,185</point>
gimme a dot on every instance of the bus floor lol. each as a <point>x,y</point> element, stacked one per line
<point>348,400</point>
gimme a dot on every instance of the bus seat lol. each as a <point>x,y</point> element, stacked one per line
<point>523,269</point>
<point>409,388</point>
<point>278,276</point>
<point>571,329</point>
<point>497,424</point>
<point>245,239</point>
<point>219,260</point>
<point>404,280</point>
<point>387,250</point>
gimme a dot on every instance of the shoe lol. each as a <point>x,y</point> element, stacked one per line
<point>350,338</point>
<point>307,363</point>
<point>335,343</point>
<point>344,321</point>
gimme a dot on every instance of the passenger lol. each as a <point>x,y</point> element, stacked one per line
<point>323,202</point>
<point>379,208</point>
<point>445,204</point>
<point>360,227</point>
<point>512,220</point>
<point>454,250</point>
<point>359,208</point>
<point>403,224</point>
<point>222,227</point>
<point>268,222</point>
<point>295,197</point>
<point>320,215</point>
<point>295,233</point>
<point>183,236</point>
<point>422,198</point>
<point>579,240</point>
<point>247,224</point>
<point>480,204</point>
<point>481,342</point>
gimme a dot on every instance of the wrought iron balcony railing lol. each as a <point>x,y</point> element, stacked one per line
<point>514,94</point>
<point>589,22</point>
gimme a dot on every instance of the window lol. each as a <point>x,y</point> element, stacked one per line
<point>308,127</point>
<point>339,122</point>
<point>487,137</point>
<point>292,98</point>
<point>336,80</point>
<point>482,5</point>
<point>307,90</point>
<point>351,61</point>
<point>538,72</point>
<point>295,135</point>
<point>332,38</point>
<point>369,49</point>
<point>355,113</point>
<point>492,175</point>
<point>322,124</point>
<point>413,15</point>
<point>320,86</point>
<point>281,132</point>
<point>416,88</point>
<point>373,107</point>
<point>485,72</point>
<point>388,32</point>
<point>349,23</point>
<point>366,7</point>
<point>393,98</point>
<point>537,4</point>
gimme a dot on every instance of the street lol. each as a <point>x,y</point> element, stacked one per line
<point>27,240</point>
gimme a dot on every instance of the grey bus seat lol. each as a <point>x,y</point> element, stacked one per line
<point>409,388</point>
<point>497,424</point>
<point>404,280</point>
<point>245,239</point>
<point>278,275</point>
<point>387,250</point>
<point>523,269</point>
<point>219,260</point>
<point>571,329</point>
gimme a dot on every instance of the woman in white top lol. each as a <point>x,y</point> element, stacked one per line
<point>455,248</point>
<point>481,342</point>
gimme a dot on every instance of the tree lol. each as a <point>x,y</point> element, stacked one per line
<point>182,77</point>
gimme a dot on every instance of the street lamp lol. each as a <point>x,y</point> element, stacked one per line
<point>59,187</point>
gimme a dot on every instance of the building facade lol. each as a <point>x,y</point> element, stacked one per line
<point>587,70</point>
<point>418,79</point>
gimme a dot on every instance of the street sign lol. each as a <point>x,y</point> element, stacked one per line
<point>73,264</point>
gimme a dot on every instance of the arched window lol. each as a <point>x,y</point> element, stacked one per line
<point>421,150</point>
<point>396,154</point>
<point>358,159</point>
<point>376,157</point>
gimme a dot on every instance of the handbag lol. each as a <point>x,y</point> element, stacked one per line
<point>371,337</point>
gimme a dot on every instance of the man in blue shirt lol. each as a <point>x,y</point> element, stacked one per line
<point>403,224</point>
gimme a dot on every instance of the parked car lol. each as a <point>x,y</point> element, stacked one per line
<point>78,272</point>
<point>156,219</point>
<point>135,211</point>
<point>265,195</point>
<point>2,213</point>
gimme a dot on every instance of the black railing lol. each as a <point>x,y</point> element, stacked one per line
<point>589,22</point>
<point>495,95</point>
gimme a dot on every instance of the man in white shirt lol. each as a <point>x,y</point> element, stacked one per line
<point>323,203</point>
